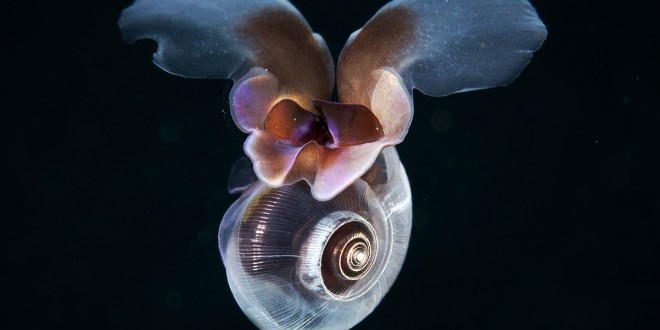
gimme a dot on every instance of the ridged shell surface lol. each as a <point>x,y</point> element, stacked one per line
<point>296,263</point>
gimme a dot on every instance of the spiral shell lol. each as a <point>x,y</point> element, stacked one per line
<point>296,263</point>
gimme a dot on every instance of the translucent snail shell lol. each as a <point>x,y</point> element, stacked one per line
<point>294,263</point>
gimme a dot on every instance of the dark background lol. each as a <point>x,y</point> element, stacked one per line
<point>536,206</point>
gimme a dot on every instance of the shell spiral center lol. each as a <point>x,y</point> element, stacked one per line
<point>348,256</point>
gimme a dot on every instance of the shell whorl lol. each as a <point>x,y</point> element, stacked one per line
<point>295,262</point>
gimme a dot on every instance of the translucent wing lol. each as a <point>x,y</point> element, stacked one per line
<point>267,40</point>
<point>441,47</point>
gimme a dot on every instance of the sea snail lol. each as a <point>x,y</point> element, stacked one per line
<point>295,262</point>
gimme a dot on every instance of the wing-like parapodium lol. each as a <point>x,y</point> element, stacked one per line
<point>441,47</point>
<point>227,38</point>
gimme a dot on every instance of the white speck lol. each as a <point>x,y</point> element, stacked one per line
<point>359,256</point>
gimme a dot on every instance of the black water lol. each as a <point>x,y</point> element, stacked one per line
<point>537,206</point>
